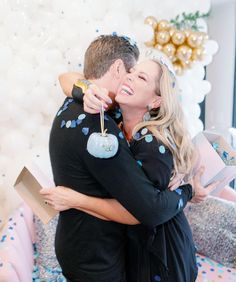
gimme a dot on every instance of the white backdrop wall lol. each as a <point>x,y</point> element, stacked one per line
<point>39,39</point>
<point>222,27</point>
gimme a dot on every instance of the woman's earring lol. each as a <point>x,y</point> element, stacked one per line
<point>147,116</point>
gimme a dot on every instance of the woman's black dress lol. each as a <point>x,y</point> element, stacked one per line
<point>166,253</point>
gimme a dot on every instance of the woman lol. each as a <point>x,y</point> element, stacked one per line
<point>153,125</point>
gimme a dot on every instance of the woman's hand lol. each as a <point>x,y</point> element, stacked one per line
<point>176,182</point>
<point>201,192</point>
<point>94,98</point>
<point>61,198</point>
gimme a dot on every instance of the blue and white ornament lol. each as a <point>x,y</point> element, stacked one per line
<point>102,145</point>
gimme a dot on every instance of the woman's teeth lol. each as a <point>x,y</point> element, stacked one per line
<point>127,90</point>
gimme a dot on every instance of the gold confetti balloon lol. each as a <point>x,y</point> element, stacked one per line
<point>163,25</point>
<point>158,47</point>
<point>178,37</point>
<point>174,59</point>
<point>195,39</point>
<point>162,37</point>
<point>178,68</point>
<point>181,46</point>
<point>187,32</point>
<point>186,64</point>
<point>184,53</point>
<point>151,21</point>
<point>169,49</point>
<point>172,30</point>
<point>198,54</point>
<point>150,43</point>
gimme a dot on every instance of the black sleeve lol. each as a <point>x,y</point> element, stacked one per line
<point>77,94</point>
<point>155,159</point>
<point>123,178</point>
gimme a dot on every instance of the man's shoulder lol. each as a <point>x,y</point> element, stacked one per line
<point>71,115</point>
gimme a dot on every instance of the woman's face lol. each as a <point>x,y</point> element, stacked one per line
<point>138,89</point>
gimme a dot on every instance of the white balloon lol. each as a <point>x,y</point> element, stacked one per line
<point>4,163</point>
<point>211,47</point>
<point>50,107</point>
<point>5,57</point>
<point>117,22</point>
<point>14,142</point>
<point>31,124</point>
<point>142,32</point>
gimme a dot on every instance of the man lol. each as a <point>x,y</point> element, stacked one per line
<point>89,249</point>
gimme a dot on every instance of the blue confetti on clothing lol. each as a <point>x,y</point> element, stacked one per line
<point>59,112</point>
<point>162,149</point>
<point>65,106</point>
<point>140,163</point>
<point>121,135</point>
<point>148,138</point>
<point>106,117</point>
<point>85,130</point>
<point>82,116</point>
<point>63,123</point>
<point>144,131</point>
<point>78,121</point>
<point>157,278</point>
<point>68,124</point>
<point>180,204</point>
<point>136,136</point>
<point>179,191</point>
<point>73,124</point>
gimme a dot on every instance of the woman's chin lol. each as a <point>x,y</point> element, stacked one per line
<point>122,99</point>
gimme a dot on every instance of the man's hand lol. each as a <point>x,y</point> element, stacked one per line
<point>61,198</point>
<point>94,98</point>
<point>201,192</point>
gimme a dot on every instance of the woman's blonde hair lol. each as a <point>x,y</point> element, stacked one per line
<point>167,122</point>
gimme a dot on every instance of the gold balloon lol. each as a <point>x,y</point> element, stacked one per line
<point>169,49</point>
<point>198,54</point>
<point>178,37</point>
<point>174,59</point>
<point>172,30</point>
<point>195,39</point>
<point>162,37</point>
<point>184,53</point>
<point>187,32</point>
<point>178,68</point>
<point>186,64</point>
<point>205,36</point>
<point>150,43</point>
<point>151,21</point>
<point>163,25</point>
<point>159,47</point>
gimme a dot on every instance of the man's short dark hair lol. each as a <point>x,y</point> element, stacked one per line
<point>104,51</point>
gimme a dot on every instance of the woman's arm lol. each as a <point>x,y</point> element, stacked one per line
<point>227,193</point>
<point>62,198</point>
<point>67,80</point>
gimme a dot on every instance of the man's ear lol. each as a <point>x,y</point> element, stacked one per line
<point>156,102</point>
<point>116,68</point>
